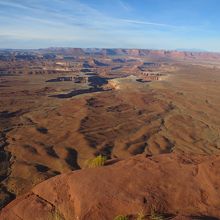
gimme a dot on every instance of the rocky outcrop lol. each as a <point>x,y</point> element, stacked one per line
<point>178,185</point>
<point>154,53</point>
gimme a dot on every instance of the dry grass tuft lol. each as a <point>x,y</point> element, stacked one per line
<point>96,162</point>
<point>121,217</point>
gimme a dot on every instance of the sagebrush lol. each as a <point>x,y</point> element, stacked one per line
<point>96,162</point>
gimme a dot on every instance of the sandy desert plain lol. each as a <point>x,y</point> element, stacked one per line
<point>153,114</point>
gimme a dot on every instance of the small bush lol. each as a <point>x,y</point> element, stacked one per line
<point>96,162</point>
<point>57,215</point>
<point>156,216</point>
<point>121,217</point>
<point>140,216</point>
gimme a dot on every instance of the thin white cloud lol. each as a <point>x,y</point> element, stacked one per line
<point>84,15</point>
<point>74,21</point>
<point>124,5</point>
<point>13,4</point>
<point>148,23</point>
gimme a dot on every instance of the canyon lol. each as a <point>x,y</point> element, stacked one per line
<point>153,114</point>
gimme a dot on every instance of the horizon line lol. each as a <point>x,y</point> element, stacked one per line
<point>194,50</point>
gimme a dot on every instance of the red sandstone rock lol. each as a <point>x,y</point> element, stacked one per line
<point>180,185</point>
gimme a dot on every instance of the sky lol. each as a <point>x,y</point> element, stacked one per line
<point>149,24</point>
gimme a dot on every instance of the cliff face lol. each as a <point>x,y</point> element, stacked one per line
<point>156,54</point>
<point>179,185</point>
<point>135,52</point>
<point>163,54</point>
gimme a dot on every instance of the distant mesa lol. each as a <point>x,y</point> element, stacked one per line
<point>71,53</point>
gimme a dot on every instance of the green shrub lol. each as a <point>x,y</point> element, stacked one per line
<point>121,217</point>
<point>96,162</point>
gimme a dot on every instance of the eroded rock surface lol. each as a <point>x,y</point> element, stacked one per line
<point>182,186</point>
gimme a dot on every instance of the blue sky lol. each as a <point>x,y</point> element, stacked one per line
<point>156,24</point>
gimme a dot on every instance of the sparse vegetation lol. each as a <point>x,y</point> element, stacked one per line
<point>140,215</point>
<point>121,217</point>
<point>156,216</point>
<point>57,215</point>
<point>96,162</point>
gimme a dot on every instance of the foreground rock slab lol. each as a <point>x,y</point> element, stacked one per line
<point>182,186</point>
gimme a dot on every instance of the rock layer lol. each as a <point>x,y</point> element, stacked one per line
<point>174,184</point>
